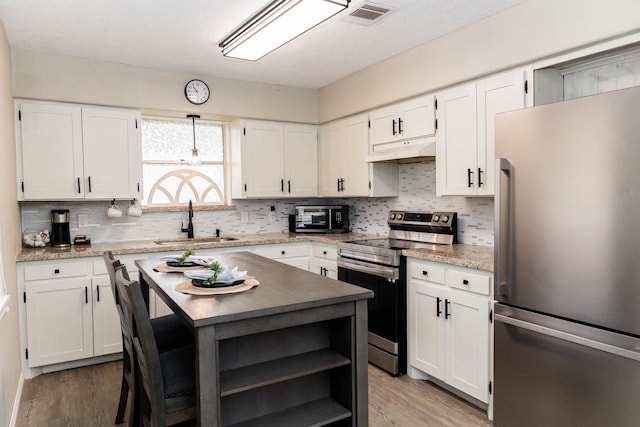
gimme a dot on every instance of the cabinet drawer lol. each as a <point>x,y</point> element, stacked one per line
<point>427,271</point>
<point>128,260</point>
<point>473,282</point>
<point>284,251</point>
<point>47,270</point>
<point>328,252</point>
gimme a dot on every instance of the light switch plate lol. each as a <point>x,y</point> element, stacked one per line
<point>83,220</point>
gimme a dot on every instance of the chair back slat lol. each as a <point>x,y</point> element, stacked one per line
<point>144,344</point>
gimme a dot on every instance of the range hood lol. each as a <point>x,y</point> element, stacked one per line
<point>402,151</point>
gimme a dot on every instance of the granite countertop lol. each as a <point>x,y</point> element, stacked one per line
<point>470,256</point>
<point>148,246</point>
<point>461,255</point>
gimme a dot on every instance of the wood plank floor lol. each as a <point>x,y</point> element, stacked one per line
<point>89,397</point>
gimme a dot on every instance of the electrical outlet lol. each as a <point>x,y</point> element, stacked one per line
<point>83,220</point>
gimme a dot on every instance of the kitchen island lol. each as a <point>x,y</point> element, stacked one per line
<point>291,351</point>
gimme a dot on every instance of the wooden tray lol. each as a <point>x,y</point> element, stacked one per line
<point>188,288</point>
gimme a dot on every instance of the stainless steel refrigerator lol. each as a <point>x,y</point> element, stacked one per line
<point>567,266</point>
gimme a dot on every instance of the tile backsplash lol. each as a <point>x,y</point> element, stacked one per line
<point>368,215</point>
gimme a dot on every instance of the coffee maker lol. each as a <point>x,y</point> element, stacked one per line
<point>60,237</point>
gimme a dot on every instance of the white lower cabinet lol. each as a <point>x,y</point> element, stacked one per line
<point>107,335</point>
<point>70,315</point>
<point>54,306</point>
<point>69,310</point>
<point>294,254</point>
<point>325,258</point>
<point>449,326</point>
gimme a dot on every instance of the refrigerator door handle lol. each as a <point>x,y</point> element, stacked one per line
<point>565,336</point>
<point>502,253</point>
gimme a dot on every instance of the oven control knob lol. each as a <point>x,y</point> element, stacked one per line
<point>392,216</point>
<point>399,217</point>
<point>445,218</point>
<point>435,218</point>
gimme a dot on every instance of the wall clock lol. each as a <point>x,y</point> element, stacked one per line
<point>197,92</point>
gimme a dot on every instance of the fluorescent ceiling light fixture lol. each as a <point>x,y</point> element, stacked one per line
<point>278,23</point>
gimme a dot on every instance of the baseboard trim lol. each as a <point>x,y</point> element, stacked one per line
<point>16,403</point>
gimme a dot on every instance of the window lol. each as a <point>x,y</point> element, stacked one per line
<point>169,178</point>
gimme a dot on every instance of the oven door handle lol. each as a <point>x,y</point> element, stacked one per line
<point>367,258</point>
<point>373,269</point>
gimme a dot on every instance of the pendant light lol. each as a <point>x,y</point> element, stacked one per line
<point>195,156</point>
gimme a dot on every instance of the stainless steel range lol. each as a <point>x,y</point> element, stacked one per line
<point>378,265</point>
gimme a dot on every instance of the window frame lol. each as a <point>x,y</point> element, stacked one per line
<point>225,163</point>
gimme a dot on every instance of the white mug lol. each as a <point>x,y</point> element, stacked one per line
<point>133,210</point>
<point>114,211</point>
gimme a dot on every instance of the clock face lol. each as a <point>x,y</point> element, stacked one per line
<point>197,92</point>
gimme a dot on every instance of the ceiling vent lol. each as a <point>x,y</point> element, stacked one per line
<point>366,14</point>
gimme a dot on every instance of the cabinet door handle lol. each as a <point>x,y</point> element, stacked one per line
<point>86,295</point>
<point>479,177</point>
<point>465,282</point>
<point>393,126</point>
<point>282,185</point>
<point>98,292</point>
<point>425,273</point>
<point>469,173</point>
<point>399,125</point>
<point>324,252</point>
<point>438,311</point>
<point>89,184</point>
<point>282,252</point>
<point>56,271</point>
<point>338,180</point>
<point>78,185</point>
<point>447,313</point>
<point>289,185</point>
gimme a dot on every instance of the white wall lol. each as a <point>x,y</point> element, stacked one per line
<point>9,240</point>
<point>530,31</point>
<point>53,77</point>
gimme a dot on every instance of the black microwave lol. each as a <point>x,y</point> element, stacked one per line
<point>320,219</point>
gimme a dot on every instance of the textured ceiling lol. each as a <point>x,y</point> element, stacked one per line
<point>184,35</point>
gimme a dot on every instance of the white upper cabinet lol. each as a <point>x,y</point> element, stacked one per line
<point>301,160</point>
<point>67,151</point>
<point>50,156</point>
<point>112,153</point>
<point>466,131</point>
<point>343,169</point>
<point>272,159</point>
<point>263,159</point>
<point>456,156</point>
<point>406,120</point>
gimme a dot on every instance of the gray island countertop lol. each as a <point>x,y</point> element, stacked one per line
<point>282,289</point>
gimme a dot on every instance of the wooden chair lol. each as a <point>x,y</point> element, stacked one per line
<point>165,381</point>
<point>169,333</point>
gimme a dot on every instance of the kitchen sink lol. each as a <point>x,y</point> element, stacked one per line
<point>195,240</point>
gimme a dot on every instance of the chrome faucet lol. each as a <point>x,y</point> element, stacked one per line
<point>189,229</point>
